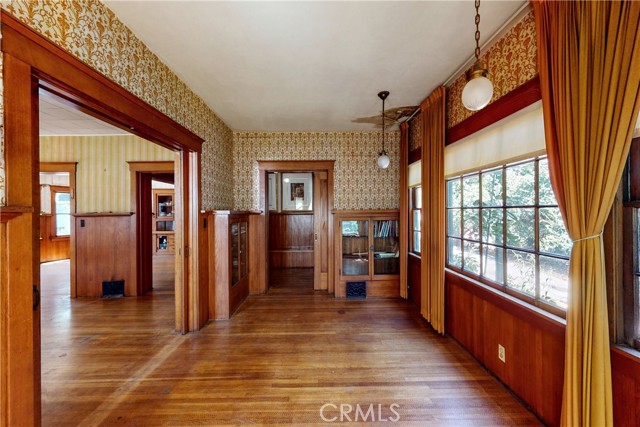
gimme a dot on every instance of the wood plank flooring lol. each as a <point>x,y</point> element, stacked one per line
<point>276,362</point>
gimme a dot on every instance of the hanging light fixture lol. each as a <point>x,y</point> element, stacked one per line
<point>383,158</point>
<point>479,90</point>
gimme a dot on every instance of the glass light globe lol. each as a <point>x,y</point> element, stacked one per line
<point>383,161</point>
<point>477,93</point>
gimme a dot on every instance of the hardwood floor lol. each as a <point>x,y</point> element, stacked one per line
<point>276,362</point>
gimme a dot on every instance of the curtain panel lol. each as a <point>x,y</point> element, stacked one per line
<point>589,61</point>
<point>433,208</point>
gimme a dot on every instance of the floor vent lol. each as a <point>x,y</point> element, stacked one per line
<point>113,289</point>
<point>356,289</point>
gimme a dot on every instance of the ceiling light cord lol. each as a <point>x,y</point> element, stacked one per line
<point>383,158</point>
<point>477,52</point>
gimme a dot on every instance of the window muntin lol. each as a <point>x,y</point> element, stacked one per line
<point>416,218</point>
<point>505,228</point>
<point>62,213</point>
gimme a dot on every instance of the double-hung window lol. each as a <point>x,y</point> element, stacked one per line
<point>416,218</point>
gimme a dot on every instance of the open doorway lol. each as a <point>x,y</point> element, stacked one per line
<point>298,200</point>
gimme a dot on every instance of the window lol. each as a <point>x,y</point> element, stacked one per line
<point>504,227</point>
<point>61,212</point>
<point>416,215</point>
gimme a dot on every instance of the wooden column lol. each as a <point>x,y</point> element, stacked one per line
<point>404,207</point>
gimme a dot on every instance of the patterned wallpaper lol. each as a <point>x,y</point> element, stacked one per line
<point>511,62</point>
<point>102,174</point>
<point>88,30</point>
<point>358,182</point>
<point>415,132</point>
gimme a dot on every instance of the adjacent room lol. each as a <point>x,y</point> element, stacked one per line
<point>299,213</point>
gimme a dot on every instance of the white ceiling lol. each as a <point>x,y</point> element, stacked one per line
<point>310,66</point>
<point>57,118</point>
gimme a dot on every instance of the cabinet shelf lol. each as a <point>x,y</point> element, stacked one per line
<point>369,251</point>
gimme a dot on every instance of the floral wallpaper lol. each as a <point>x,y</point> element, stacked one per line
<point>415,132</point>
<point>88,30</point>
<point>511,62</point>
<point>358,182</point>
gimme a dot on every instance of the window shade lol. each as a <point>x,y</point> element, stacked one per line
<point>519,136</point>
<point>415,173</point>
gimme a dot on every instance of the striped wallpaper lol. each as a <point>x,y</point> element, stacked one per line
<point>102,177</point>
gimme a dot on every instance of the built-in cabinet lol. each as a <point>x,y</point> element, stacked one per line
<point>368,251</point>
<point>164,241</point>
<point>227,260</point>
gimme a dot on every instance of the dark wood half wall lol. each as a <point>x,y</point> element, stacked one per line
<point>480,319</point>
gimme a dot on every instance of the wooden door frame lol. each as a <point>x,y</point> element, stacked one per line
<point>71,169</point>
<point>262,258</point>
<point>136,168</point>
<point>32,62</point>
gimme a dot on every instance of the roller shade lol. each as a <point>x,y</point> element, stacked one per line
<point>519,136</point>
<point>415,173</point>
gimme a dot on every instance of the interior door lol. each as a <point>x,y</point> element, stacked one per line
<point>321,231</point>
<point>145,237</point>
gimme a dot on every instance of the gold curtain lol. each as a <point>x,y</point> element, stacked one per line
<point>433,209</point>
<point>589,60</point>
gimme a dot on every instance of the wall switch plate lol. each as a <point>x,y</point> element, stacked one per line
<point>502,354</point>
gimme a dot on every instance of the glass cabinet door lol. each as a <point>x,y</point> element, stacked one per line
<point>243,249</point>
<point>235,254</point>
<point>355,248</point>
<point>386,250</point>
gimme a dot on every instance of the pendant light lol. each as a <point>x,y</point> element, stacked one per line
<point>383,158</point>
<point>478,91</point>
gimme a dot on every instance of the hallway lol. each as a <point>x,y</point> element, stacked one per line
<point>276,362</point>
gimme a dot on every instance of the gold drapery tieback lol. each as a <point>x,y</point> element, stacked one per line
<point>595,236</point>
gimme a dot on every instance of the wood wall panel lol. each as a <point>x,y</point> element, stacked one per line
<point>480,319</point>
<point>103,253</point>
<point>51,248</point>
<point>414,279</point>
<point>291,240</point>
<point>625,376</point>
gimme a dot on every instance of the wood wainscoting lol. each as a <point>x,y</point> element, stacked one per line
<point>480,318</point>
<point>103,253</point>
<point>414,279</point>
<point>625,376</point>
<point>290,239</point>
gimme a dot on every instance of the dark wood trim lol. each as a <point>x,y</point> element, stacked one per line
<point>404,208</point>
<point>7,213</point>
<point>548,322</point>
<point>73,80</point>
<point>364,213</point>
<point>415,155</point>
<point>101,214</point>
<point>519,98</point>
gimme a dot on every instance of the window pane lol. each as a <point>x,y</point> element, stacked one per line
<point>471,191</point>
<point>417,197</point>
<point>63,210</point>
<point>416,220</point>
<point>521,185</point>
<point>493,263</point>
<point>471,257</point>
<point>553,236</point>
<point>492,226</point>
<point>521,227</point>
<point>416,241</point>
<point>453,222</point>
<point>521,271</point>
<point>471,224</point>
<point>546,196</point>
<point>454,252</point>
<point>554,280</point>
<point>492,188</point>
<point>454,194</point>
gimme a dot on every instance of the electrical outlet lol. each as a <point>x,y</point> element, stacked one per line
<point>502,354</point>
